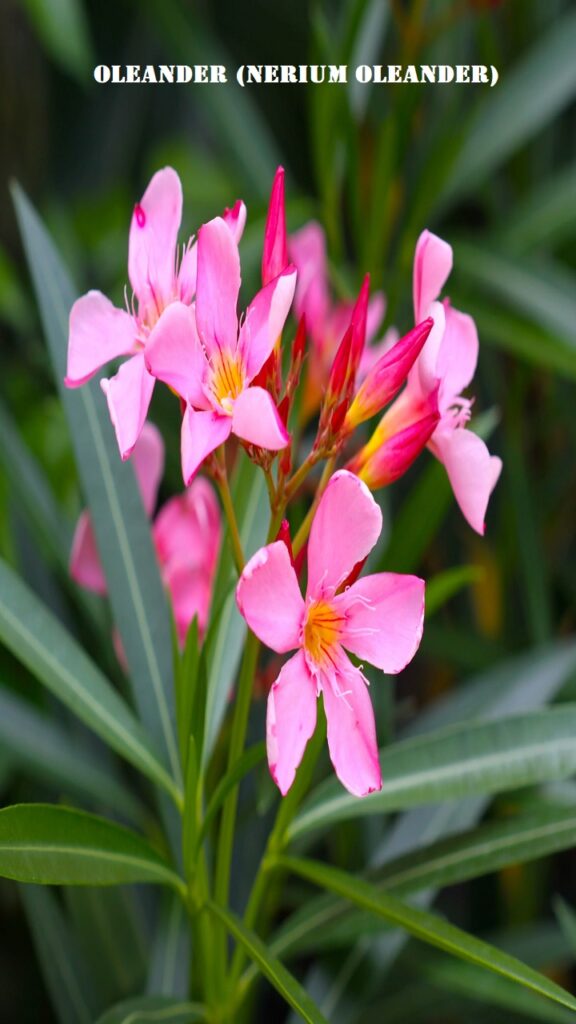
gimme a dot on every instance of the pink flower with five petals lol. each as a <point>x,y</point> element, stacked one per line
<point>99,332</point>
<point>378,618</point>
<point>210,360</point>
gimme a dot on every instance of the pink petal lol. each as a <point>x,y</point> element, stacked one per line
<point>256,419</point>
<point>190,591</point>
<point>275,252</point>
<point>290,720</point>
<point>175,356</point>
<point>384,619</point>
<point>148,461</point>
<point>372,353</point>
<point>188,528</point>
<point>217,287</point>
<point>432,266</point>
<point>424,376</point>
<point>351,729</point>
<point>98,333</point>
<point>128,394</point>
<point>269,598</point>
<point>457,356</point>
<point>375,315</point>
<point>472,471</point>
<point>153,235</point>
<point>202,433</point>
<point>382,465</point>
<point>265,318</point>
<point>346,527</point>
<point>85,566</point>
<point>307,249</point>
<point>236,219</point>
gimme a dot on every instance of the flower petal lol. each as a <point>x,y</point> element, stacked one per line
<point>264,320</point>
<point>457,356</point>
<point>175,356</point>
<point>85,565</point>
<point>432,266</point>
<point>153,235</point>
<point>269,598</point>
<point>187,527</point>
<point>256,419</point>
<point>275,254</point>
<point>148,460</point>
<point>424,376</point>
<point>472,471</point>
<point>99,332</point>
<point>384,619</point>
<point>128,393</point>
<point>307,249</point>
<point>188,273</point>
<point>235,218</point>
<point>217,287</point>
<point>190,591</point>
<point>290,720</point>
<point>346,527</point>
<point>202,432</point>
<point>351,729</point>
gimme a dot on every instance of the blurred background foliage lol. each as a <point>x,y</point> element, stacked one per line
<point>491,170</point>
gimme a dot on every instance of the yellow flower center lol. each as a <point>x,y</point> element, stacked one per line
<point>322,631</point>
<point>228,379</point>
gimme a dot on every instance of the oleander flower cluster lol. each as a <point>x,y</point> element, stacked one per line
<point>293,380</point>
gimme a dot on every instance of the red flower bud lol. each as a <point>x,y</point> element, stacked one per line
<point>275,254</point>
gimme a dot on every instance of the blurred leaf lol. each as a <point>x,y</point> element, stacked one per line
<point>446,584</point>
<point>39,641</point>
<point>52,845</point>
<point>545,217</point>
<point>225,639</point>
<point>14,309</point>
<point>271,968</point>
<point>186,679</point>
<point>151,1009</point>
<point>481,851</point>
<point>522,338</point>
<point>366,46</point>
<point>63,971</point>
<point>427,927</point>
<point>122,531</point>
<point>109,932</point>
<point>506,119</point>
<point>567,921</point>
<point>63,28</point>
<point>542,291</point>
<point>168,972</point>
<point>412,531</point>
<point>45,748</point>
<point>463,760</point>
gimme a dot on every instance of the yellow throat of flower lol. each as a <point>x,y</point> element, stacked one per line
<point>322,631</point>
<point>228,378</point>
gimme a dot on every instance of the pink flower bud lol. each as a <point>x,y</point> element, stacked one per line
<point>275,254</point>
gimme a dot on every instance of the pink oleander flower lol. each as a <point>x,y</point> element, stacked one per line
<point>378,618</point>
<point>432,410</point>
<point>326,320</point>
<point>186,534</point>
<point>99,332</point>
<point>210,360</point>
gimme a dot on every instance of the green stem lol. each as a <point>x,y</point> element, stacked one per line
<point>228,505</point>
<point>299,476</point>
<point>228,820</point>
<point>286,811</point>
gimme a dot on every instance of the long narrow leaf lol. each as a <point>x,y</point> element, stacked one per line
<point>153,1010</point>
<point>122,531</point>
<point>427,927</point>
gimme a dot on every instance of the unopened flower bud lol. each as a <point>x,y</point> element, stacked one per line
<point>275,254</point>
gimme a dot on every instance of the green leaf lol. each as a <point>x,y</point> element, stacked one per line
<point>122,531</point>
<point>505,120</point>
<point>63,28</point>
<point>62,967</point>
<point>168,973</point>
<point>427,927</point>
<point>39,744</point>
<point>481,851</point>
<point>567,920</point>
<point>271,968</point>
<point>225,641</point>
<point>59,846</point>
<point>460,761</point>
<point>38,640</point>
<point>249,759</point>
<point>152,1009</point>
<point>545,217</point>
<point>447,584</point>
<point>522,338</point>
